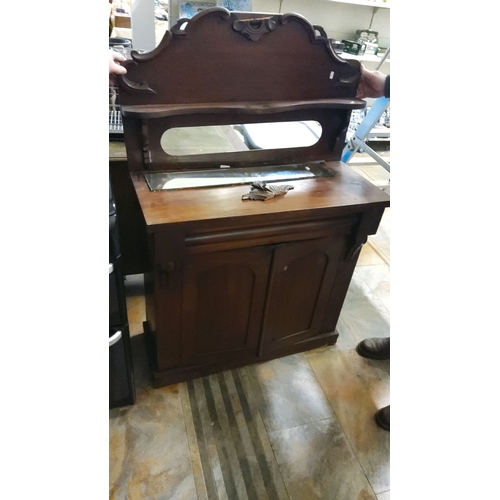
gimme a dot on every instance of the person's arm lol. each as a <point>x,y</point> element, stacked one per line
<point>387,86</point>
<point>115,68</point>
<point>373,84</point>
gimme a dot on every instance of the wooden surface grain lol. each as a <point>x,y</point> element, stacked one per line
<point>341,194</point>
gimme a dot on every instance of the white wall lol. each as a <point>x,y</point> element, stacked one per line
<point>340,21</point>
<point>142,17</point>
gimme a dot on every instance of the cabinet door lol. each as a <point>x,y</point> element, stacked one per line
<point>222,305</point>
<point>302,276</point>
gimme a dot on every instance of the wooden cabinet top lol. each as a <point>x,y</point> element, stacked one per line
<point>345,193</point>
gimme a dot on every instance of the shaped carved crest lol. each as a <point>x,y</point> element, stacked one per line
<point>212,58</point>
<point>254,29</point>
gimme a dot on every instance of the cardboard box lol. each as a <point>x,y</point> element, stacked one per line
<point>355,48</point>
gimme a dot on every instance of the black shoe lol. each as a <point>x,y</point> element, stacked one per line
<point>383,418</point>
<point>374,348</point>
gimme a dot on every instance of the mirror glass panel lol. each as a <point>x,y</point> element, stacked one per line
<point>185,141</point>
<point>227,176</point>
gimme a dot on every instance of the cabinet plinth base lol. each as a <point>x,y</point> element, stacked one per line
<point>163,378</point>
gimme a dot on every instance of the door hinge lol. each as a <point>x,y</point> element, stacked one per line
<point>164,272</point>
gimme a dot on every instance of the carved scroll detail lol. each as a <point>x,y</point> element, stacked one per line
<point>133,87</point>
<point>355,248</point>
<point>254,29</point>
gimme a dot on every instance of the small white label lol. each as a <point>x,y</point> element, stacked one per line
<point>225,166</point>
<point>331,75</point>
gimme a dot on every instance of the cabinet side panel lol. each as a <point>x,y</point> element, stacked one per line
<point>368,224</point>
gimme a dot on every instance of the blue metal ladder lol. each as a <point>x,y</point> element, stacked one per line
<point>358,140</point>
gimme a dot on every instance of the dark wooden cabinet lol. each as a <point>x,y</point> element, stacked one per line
<point>224,293</point>
<point>231,281</point>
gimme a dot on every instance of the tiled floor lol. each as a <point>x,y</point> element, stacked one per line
<point>296,428</point>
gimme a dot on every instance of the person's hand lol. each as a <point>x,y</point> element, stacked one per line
<point>115,68</point>
<point>371,84</point>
